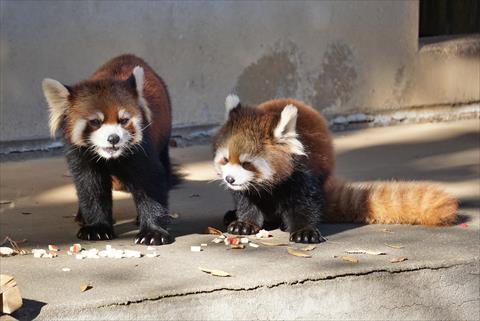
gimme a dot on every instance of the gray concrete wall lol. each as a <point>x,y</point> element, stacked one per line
<point>343,56</point>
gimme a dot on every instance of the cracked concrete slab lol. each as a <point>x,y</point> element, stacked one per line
<point>438,281</point>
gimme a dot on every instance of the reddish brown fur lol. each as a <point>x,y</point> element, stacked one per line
<point>379,202</point>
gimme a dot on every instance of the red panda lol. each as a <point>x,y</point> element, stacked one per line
<point>278,160</point>
<point>116,126</point>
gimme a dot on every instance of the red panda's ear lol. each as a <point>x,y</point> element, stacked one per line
<point>57,99</point>
<point>285,131</point>
<point>231,102</point>
<point>136,81</point>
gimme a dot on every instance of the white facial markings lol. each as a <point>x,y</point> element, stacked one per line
<point>104,148</point>
<point>240,175</point>
<point>77,132</point>
<point>122,113</point>
<point>221,153</point>
<point>264,168</point>
<point>137,124</point>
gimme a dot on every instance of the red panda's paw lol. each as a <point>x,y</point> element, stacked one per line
<point>96,232</point>
<point>153,236</point>
<point>242,228</point>
<point>307,235</point>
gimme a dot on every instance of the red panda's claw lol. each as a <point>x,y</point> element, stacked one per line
<point>307,235</point>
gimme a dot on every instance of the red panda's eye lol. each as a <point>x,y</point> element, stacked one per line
<point>123,121</point>
<point>225,160</point>
<point>246,165</point>
<point>95,123</point>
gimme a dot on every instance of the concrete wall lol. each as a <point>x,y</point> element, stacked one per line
<point>341,56</point>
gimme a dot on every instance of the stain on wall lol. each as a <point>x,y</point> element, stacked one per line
<point>272,76</point>
<point>336,81</point>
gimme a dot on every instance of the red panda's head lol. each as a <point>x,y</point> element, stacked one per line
<point>107,116</point>
<point>255,149</point>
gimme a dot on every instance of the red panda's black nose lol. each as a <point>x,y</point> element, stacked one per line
<point>113,139</point>
<point>230,179</point>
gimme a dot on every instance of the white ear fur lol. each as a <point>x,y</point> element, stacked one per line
<point>57,99</point>
<point>139,75</point>
<point>231,102</point>
<point>285,131</point>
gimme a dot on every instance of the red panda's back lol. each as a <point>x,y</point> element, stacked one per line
<point>313,132</point>
<point>155,93</point>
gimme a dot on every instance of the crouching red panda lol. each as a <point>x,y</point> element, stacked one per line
<point>278,161</point>
<point>116,125</point>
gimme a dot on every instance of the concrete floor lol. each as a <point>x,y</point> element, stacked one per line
<point>440,279</point>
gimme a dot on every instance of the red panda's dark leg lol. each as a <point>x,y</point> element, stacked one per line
<point>302,206</point>
<point>250,217</point>
<point>94,189</point>
<point>146,178</point>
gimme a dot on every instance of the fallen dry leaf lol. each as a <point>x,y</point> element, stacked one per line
<point>4,202</point>
<point>85,287</point>
<point>349,259</point>
<point>365,252</point>
<point>273,243</point>
<point>394,246</point>
<point>398,259</point>
<point>213,231</point>
<point>309,248</point>
<point>215,272</point>
<point>298,253</point>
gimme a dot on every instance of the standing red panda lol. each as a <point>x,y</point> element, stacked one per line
<point>117,125</point>
<point>278,161</point>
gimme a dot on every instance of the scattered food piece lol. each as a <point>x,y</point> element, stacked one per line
<point>233,240</point>
<point>217,240</point>
<point>4,202</point>
<point>386,230</point>
<point>394,246</point>
<point>6,251</point>
<point>262,234</point>
<point>244,240</point>
<point>309,248</point>
<point>150,248</point>
<point>398,259</point>
<point>65,269</point>
<point>350,259</point>
<point>153,254</point>
<point>214,231</point>
<point>85,286</point>
<point>79,256</point>
<point>204,245</point>
<point>174,215</point>
<point>365,252</point>
<point>38,253</point>
<point>255,245</point>
<point>10,297</point>
<point>215,272</point>
<point>298,253</point>
<point>75,248</point>
<point>53,248</point>
<point>14,245</point>
<point>132,253</point>
<point>463,225</point>
<point>69,253</point>
<point>195,248</point>
<point>273,243</point>
<point>194,195</point>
